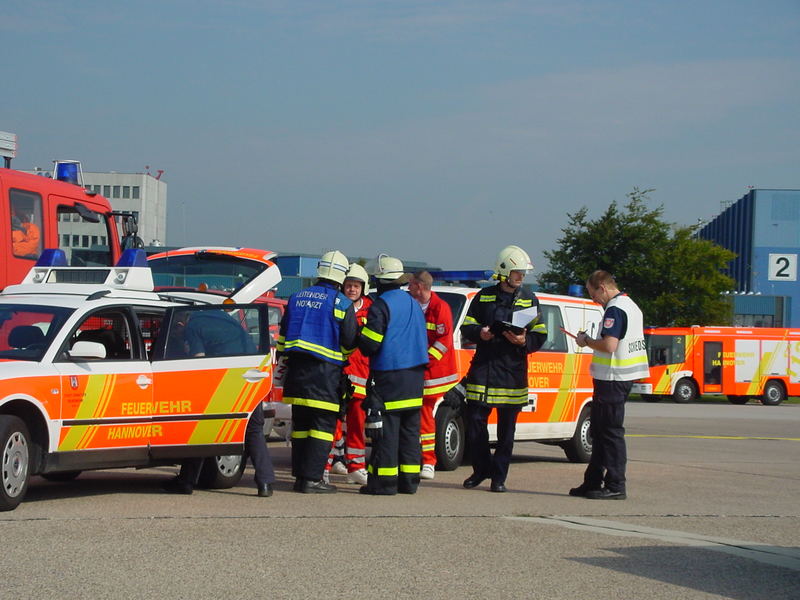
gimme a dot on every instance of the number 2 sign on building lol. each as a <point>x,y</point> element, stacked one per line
<point>783,267</point>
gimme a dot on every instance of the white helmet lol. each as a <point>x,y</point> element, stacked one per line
<point>359,273</point>
<point>512,258</point>
<point>333,266</point>
<point>387,268</point>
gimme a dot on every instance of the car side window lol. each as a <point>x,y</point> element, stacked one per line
<point>213,331</point>
<point>110,328</point>
<point>556,340</point>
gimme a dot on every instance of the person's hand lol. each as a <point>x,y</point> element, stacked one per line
<point>373,425</point>
<point>518,339</point>
<point>486,335</point>
<point>581,339</point>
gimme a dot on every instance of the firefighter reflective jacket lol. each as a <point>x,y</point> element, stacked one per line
<point>499,370</point>
<point>312,321</point>
<point>401,337</point>
<point>441,373</point>
<point>357,367</point>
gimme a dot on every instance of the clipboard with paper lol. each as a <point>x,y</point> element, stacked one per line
<point>519,321</point>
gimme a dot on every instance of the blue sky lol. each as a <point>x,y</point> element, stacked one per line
<point>437,131</point>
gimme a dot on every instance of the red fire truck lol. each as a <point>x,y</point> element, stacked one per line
<point>760,363</point>
<point>39,212</point>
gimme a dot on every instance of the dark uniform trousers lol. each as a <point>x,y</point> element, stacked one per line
<point>484,464</point>
<point>609,455</point>
<point>312,437</point>
<point>400,443</point>
<point>255,447</point>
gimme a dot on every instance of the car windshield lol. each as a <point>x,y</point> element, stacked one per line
<point>204,271</point>
<point>26,331</point>
<point>456,302</point>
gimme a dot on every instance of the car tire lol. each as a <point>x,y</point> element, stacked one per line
<point>221,472</point>
<point>685,391</point>
<point>15,461</point>
<point>774,393</point>
<point>579,448</point>
<point>450,438</point>
<point>62,476</point>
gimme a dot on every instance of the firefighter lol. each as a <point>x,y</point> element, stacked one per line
<point>394,340</point>
<point>441,373</point>
<point>498,376</point>
<point>317,333</point>
<point>620,358</point>
<point>351,445</point>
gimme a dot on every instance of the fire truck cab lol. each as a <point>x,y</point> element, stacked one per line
<point>741,363</point>
<point>39,212</point>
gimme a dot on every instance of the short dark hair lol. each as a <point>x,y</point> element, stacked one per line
<point>600,277</point>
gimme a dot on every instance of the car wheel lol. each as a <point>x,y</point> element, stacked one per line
<point>685,391</point>
<point>62,476</point>
<point>15,453</point>
<point>450,438</point>
<point>738,399</point>
<point>774,393</point>
<point>579,448</point>
<point>221,472</point>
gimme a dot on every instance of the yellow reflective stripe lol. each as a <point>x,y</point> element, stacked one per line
<point>409,403</point>
<point>338,313</point>
<point>487,298</point>
<point>299,435</point>
<point>470,320</point>
<point>523,302</point>
<point>616,362</point>
<point>368,333</point>
<point>439,389</point>
<point>434,352</point>
<point>428,446</point>
<point>431,326</point>
<point>359,389</point>
<point>320,435</point>
<point>315,349</point>
<point>312,403</point>
<point>346,352</point>
<point>384,471</point>
<point>409,469</point>
<point>538,327</point>
<point>427,436</point>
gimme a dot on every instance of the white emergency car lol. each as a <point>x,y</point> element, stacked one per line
<point>97,371</point>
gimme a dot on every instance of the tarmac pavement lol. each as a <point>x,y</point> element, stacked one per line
<point>712,512</point>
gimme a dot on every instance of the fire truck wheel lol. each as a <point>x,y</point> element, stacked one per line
<point>738,399</point>
<point>221,472</point>
<point>450,438</point>
<point>685,391</point>
<point>579,448</point>
<point>15,453</point>
<point>774,393</point>
<point>62,476</point>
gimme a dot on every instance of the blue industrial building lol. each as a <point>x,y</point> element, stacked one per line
<point>763,229</point>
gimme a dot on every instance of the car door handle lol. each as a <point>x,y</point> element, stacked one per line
<point>143,381</point>
<point>254,375</point>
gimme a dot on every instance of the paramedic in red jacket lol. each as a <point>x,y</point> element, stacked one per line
<point>441,374</point>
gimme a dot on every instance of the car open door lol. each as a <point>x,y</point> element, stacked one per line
<point>211,368</point>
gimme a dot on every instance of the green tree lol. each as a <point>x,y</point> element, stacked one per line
<point>674,277</point>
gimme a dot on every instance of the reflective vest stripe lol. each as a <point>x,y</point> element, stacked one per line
<point>435,353</point>
<point>320,435</point>
<point>384,471</point>
<point>315,349</point>
<point>410,468</point>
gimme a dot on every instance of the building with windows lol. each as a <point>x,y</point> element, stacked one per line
<point>763,229</point>
<point>139,193</point>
